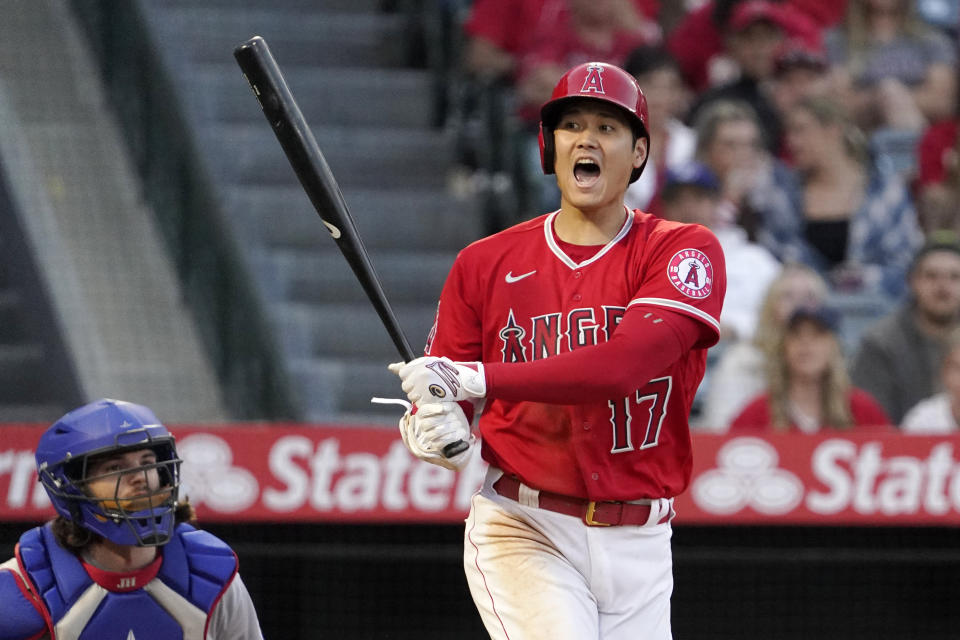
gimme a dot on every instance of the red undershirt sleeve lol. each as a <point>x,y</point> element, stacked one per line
<point>647,341</point>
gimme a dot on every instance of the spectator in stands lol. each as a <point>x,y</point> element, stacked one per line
<point>755,34</point>
<point>691,194</point>
<point>939,413</point>
<point>824,13</point>
<point>729,143</point>
<point>837,210</point>
<point>587,30</point>
<point>494,38</point>
<point>890,68</point>
<point>898,359</point>
<point>672,143</point>
<point>807,384</point>
<point>738,376</point>
<point>800,71</point>
<point>698,41</point>
<point>497,34</point>
<point>937,183</point>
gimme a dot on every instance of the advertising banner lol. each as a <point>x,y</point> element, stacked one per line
<point>329,473</point>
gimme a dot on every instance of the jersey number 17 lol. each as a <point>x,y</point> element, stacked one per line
<point>654,395</point>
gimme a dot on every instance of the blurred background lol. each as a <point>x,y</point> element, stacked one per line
<point>155,246</point>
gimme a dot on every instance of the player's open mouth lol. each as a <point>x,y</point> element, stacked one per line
<point>586,172</point>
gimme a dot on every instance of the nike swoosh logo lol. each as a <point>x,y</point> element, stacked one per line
<point>332,229</point>
<point>512,278</point>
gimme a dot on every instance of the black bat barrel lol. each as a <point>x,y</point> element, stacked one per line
<point>303,152</point>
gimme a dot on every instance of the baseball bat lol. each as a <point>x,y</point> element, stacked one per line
<point>301,148</point>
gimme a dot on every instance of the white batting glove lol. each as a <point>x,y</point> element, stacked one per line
<point>432,428</point>
<point>430,379</point>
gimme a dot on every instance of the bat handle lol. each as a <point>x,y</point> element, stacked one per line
<point>454,448</point>
<point>449,451</point>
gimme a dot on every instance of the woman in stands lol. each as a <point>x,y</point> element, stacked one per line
<point>739,374</point>
<point>837,210</point>
<point>807,384</point>
<point>891,69</point>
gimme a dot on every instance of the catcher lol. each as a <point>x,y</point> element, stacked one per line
<point>121,560</point>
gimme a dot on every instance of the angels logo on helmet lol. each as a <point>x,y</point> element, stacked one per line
<point>594,80</point>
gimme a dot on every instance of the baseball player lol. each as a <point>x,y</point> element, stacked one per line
<point>120,560</point>
<point>582,336</point>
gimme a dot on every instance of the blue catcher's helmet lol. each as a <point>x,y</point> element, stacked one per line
<point>102,427</point>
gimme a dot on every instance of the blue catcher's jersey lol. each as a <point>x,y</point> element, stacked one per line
<point>175,604</point>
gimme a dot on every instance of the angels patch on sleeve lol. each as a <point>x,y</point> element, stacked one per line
<point>691,272</point>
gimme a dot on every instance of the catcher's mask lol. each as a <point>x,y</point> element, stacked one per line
<point>104,428</point>
<point>595,81</point>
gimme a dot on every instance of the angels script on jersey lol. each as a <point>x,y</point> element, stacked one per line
<point>554,333</point>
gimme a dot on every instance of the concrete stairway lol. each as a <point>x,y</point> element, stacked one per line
<point>115,297</point>
<point>346,64</point>
<point>27,392</point>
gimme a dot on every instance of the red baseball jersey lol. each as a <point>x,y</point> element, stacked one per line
<point>517,296</point>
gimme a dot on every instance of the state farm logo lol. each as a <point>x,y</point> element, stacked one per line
<point>747,475</point>
<point>845,478</point>
<point>209,477</point>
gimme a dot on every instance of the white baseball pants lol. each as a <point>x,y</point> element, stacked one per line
<point>539,575</point>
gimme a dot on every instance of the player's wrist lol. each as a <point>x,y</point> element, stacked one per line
<point>474,378</point>
<point>433,379</point>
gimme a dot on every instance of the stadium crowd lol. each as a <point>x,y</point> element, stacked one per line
<point>819,141</point>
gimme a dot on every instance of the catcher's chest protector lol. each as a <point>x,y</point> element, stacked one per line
<point>176,604</point>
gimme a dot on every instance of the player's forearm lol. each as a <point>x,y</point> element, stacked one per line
<point>612,369</point>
